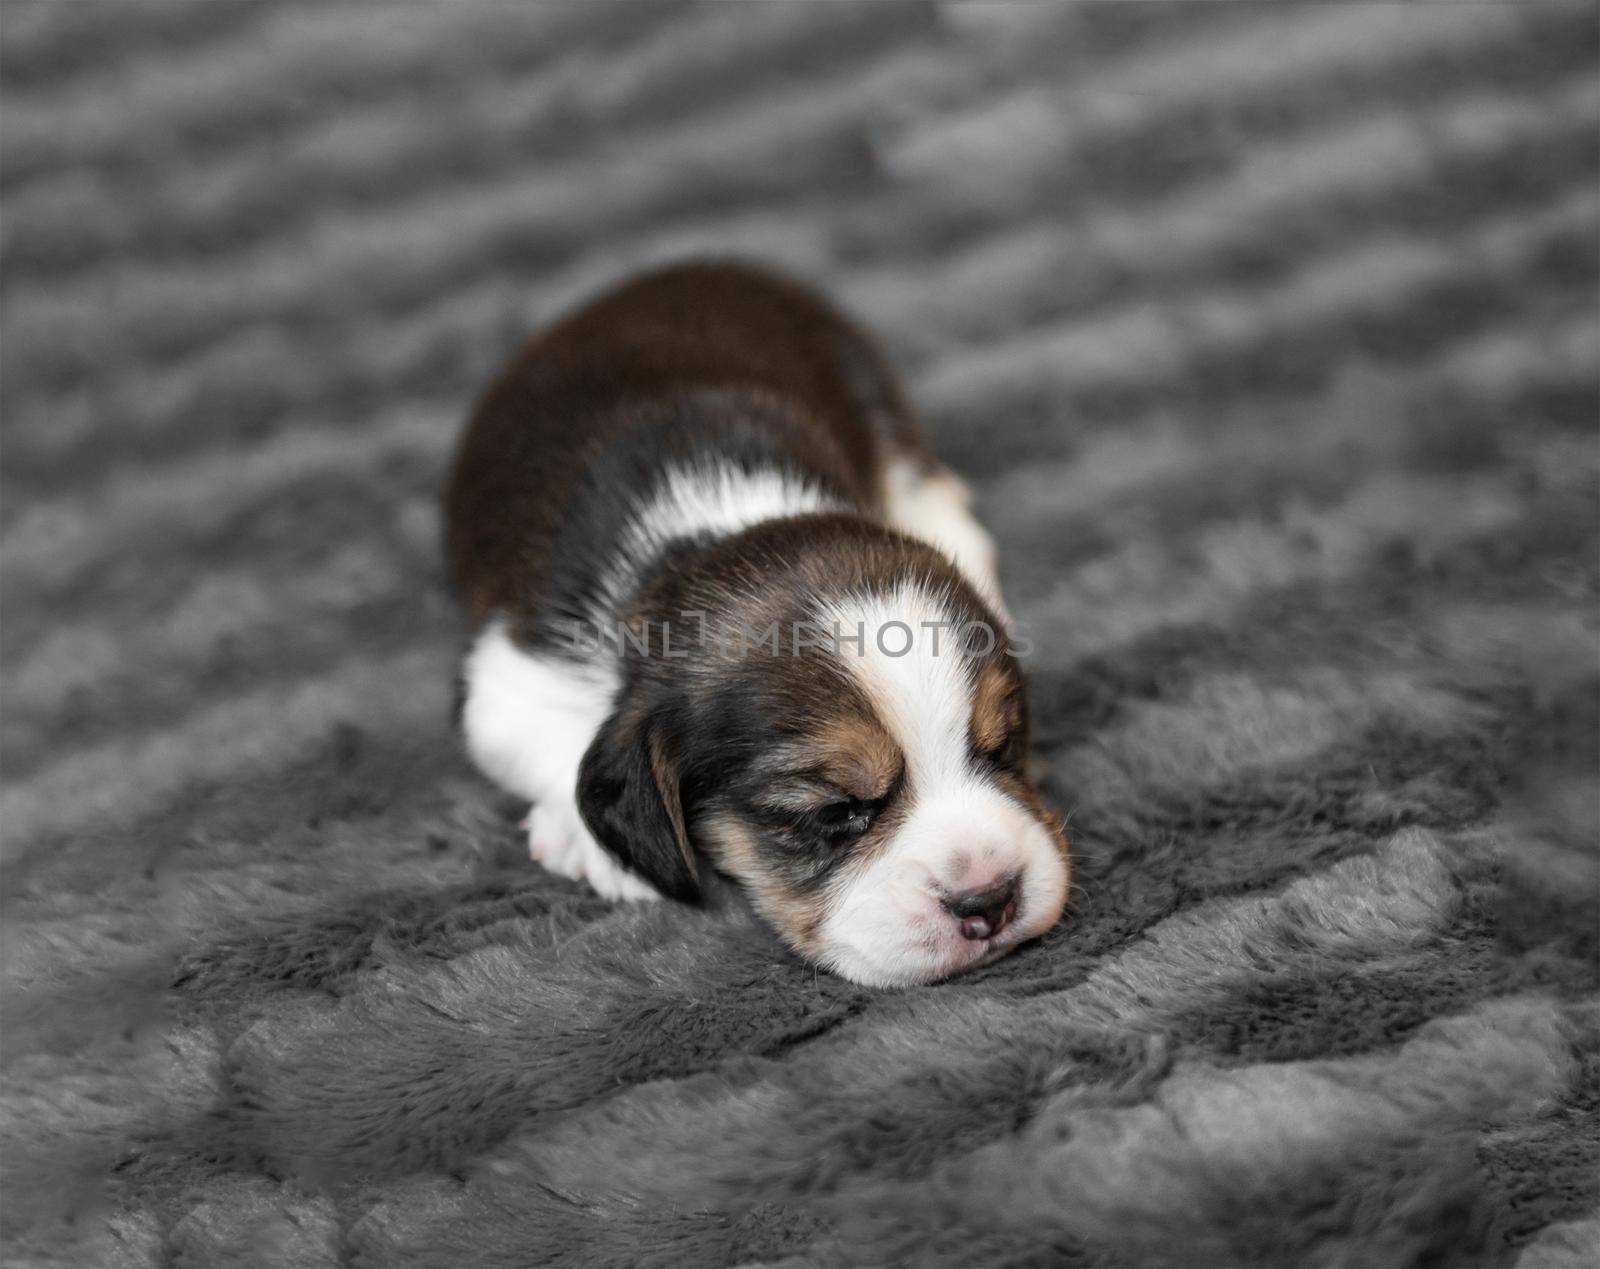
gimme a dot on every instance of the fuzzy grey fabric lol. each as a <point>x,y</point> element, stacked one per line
<point>1268,336</point>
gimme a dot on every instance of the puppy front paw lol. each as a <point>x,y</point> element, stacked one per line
<point>565,847</point>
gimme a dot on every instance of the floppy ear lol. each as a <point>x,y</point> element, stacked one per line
<point>628,796</point>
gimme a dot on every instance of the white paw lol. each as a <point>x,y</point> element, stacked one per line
<point>559,840</point>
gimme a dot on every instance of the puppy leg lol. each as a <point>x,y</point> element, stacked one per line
<point>528,721</point>
<point>559,839</point>
<point>934,504</point>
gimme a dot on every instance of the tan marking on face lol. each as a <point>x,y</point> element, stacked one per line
<point>842,751</point>
<point>996,708</point>
<point>733,847</point>
<point>857,756</point>
<point>844,754</point>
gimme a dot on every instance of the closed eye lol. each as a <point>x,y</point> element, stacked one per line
<point>845,819</point>
<point>1007,754</point>
<point>818,811</point>
<point>814,806</point>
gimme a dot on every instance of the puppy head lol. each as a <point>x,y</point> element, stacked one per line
<point>861,773</point>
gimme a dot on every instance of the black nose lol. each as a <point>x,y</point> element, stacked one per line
<point>984,913</point>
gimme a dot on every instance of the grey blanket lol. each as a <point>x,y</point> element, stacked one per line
<point>1268,337</point>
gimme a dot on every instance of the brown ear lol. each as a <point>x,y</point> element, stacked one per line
<point>628,796</point>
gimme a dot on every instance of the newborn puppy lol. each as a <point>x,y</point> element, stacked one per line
<point>728,610</point>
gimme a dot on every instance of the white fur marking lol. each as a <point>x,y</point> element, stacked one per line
<point>715,499</point>
<point>923,695</point>
<point>885,925</point>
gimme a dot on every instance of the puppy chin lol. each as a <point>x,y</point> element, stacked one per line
<point>888,925</point>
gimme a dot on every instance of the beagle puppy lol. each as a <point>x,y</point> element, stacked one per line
<point>727,611</point>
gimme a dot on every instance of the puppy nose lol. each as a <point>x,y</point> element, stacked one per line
<point>984,913</point>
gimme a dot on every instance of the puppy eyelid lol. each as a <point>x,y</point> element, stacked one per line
<point>1001,752</point>
<point>805,792</point>
<point>796,797</point>
<point>808,790</point>
<point>832,795</point>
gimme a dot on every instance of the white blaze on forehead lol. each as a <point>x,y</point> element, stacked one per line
<point>903,649</point>
<point>886,923</point>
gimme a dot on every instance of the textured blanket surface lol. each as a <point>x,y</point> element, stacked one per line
<point>1267,334</point>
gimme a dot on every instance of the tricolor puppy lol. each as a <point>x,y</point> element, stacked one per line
<point>728,611</point>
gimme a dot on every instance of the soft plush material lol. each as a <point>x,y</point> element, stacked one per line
<point>1268,337</point>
